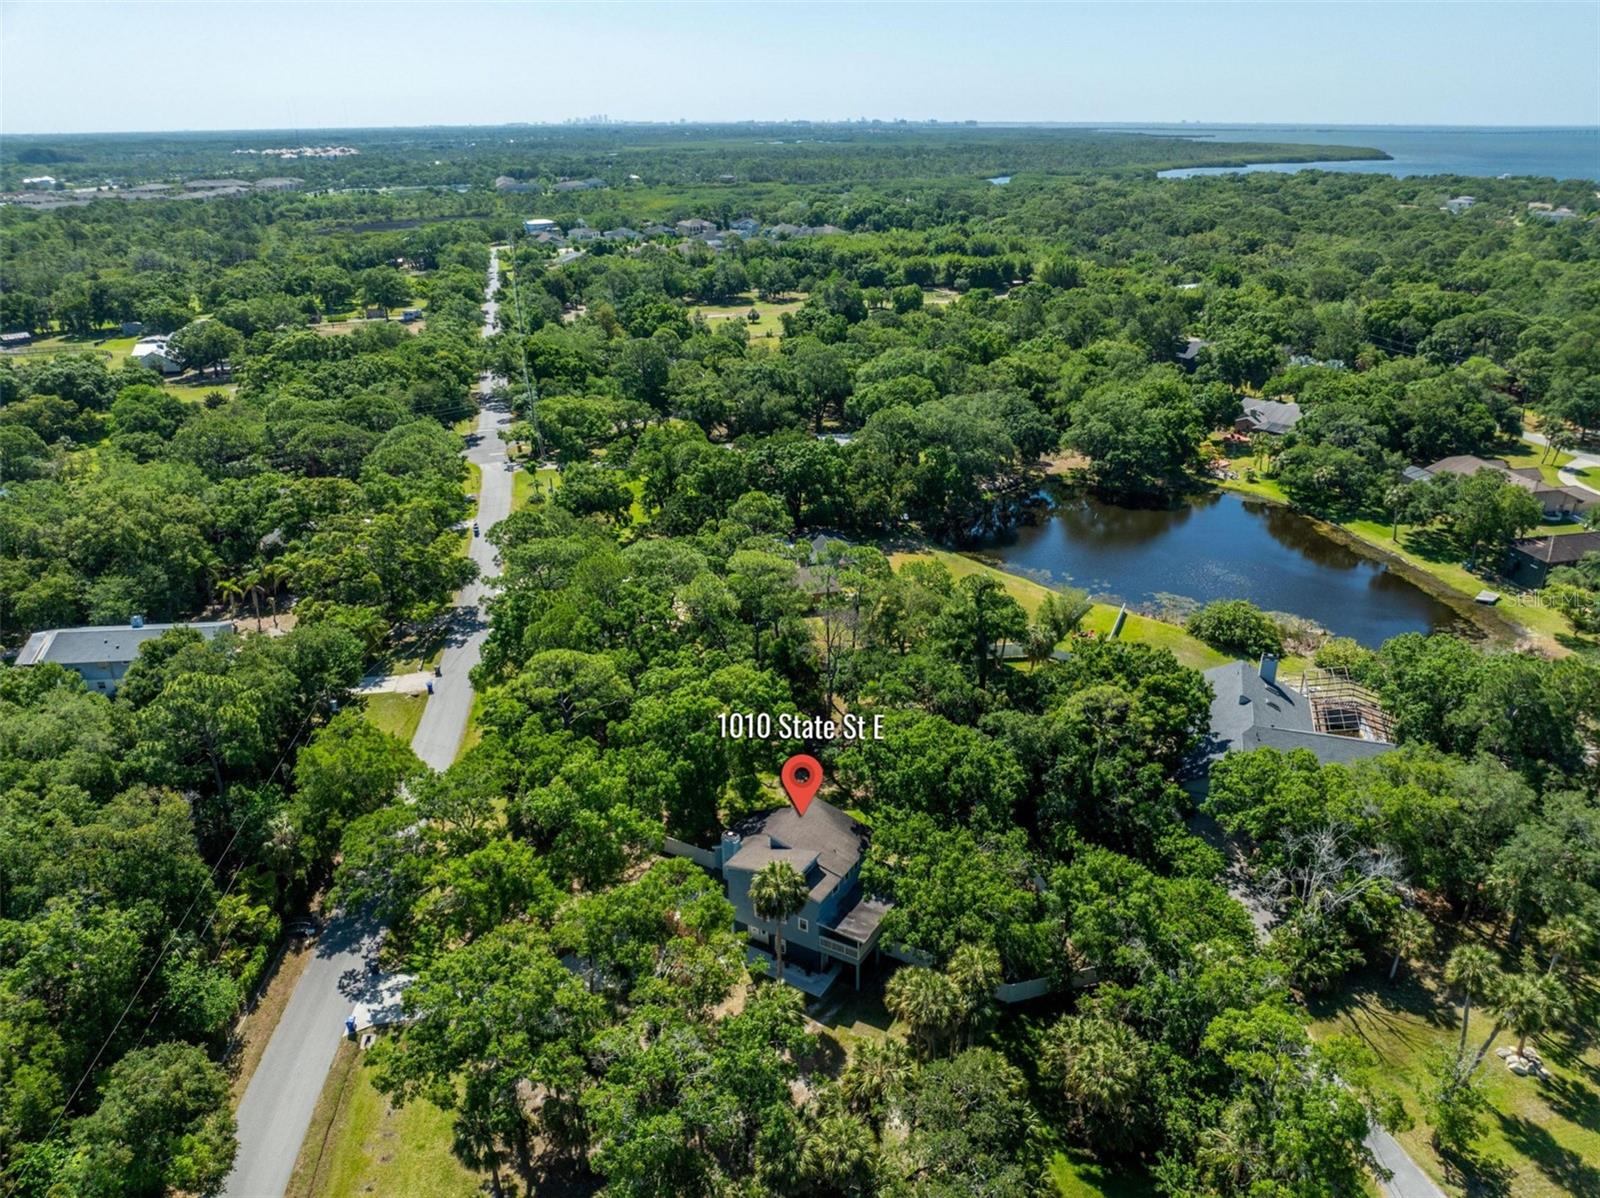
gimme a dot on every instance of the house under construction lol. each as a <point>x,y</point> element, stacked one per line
<point>1323,711</point>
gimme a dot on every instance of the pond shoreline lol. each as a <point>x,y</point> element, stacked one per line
<point>1208,544</point>
<point>1491,622</point>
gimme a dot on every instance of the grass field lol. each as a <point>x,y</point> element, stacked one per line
<point>113,349</point>
<point>1543,1138</point>
<point>1030,594</point>
<point>359,1145</point>
<point>1076,1175</point>
<point>397,715</point>
<point>764,331</point>
<point>526,483</point>
<point>1529,454</point>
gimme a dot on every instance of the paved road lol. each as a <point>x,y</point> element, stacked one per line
<point>1409,1181</point>
<point>278,1104</point>
<point>444,719</point>
<point>1585,461</point>
<point>283,1092</point>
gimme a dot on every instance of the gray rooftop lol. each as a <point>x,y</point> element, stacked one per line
<point>1271,416</point>
<point>1558,550</point>
<point>1248,712</point>
<point>824,836</point>
<point>102,643</point>
<point>862,920</point>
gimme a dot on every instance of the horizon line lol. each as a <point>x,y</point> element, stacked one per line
<point>742,122</point>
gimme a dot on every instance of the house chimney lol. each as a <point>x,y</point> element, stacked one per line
<point>1269,669</point>
<point>136,622</point>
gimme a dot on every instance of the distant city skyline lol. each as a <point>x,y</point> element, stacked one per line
<point>150,67</point>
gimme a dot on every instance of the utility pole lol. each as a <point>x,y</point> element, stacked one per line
<point>529,390</point>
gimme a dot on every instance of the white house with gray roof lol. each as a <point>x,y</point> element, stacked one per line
<point>101,654</point>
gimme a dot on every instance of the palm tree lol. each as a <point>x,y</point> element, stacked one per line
<point>1472,968</point>
<point>252,585</point>
<point>925,999</point>
<point>1530,1004</point>
<point>1260,446</point>
<point>777,892</point>
<point>1397,500</point>
<point>1565,936</point>
<point>1099,1066</point>
<point>231,590</point>
<point>1560,440</point>
<point>273,575</point>
<point>1041,643</point>
<point>1411,935</point>
<point>974,970</point>
<point>837,1155</point>
<point>874,1079</point>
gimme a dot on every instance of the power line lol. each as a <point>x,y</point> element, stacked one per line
<point>173,935</point>
<point>522,352</point>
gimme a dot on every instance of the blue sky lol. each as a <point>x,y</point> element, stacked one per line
<point>69,67</point>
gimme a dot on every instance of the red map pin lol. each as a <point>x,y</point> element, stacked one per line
<point>801,775</point>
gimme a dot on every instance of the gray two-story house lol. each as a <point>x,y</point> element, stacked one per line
<point>839,925</point>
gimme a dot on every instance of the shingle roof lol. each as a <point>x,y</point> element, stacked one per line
<point>1528,478</point>
<point>1558,551</point>
<point>1248,712</point>
<point>825,835</point>
<point>108,642</point>
<point>1270,416</point>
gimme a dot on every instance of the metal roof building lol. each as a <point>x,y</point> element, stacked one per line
<point>101,654</point>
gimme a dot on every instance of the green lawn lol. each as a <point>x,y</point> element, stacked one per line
<point>398,715</point>
<point>1261,488</point>
<point>1077,1175</point>
<point>359,1145</point>
<point>471,485</point>
<point>636,511</point>
<point>1030,594</point>
<point>764,331</point>
<point>1529,454</point>
<point>1543,1138</point>
<point>526,483</point>
<point>1429,552</point>
<point>473,733</point>
<point>114,348</point>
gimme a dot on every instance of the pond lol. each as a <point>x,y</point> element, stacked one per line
<point>1217,546</point>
